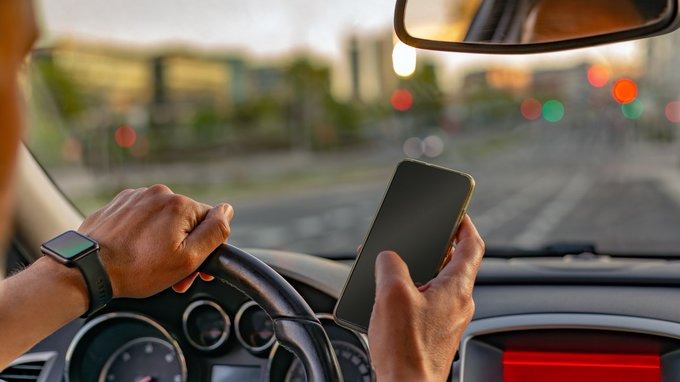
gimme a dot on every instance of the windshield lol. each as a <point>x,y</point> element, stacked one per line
<point>297,112</point>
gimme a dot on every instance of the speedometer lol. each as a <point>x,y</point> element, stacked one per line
<point>124,347</point>
<point>353,363</point>
<point>146,359</point>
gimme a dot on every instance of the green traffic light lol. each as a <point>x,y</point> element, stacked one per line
<point>633,110</point>
<point>553,110</point>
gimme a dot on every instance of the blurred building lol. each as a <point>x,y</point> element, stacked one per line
<point>499,79</point>
<point>211,99</point>
<point>114,76</point>
<point>171,84</point>
<point>663,63</point>
<point>568,83</point>
<point>120,80</point>
<point>367,74</point>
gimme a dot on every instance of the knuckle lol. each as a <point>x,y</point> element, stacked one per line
<point>396,292</point>
<point>463,295</point>
<point>468,309</point>
<point>124,193</point>
<point>159,189</point>
<point>471,307</point>
<point>176,203</point>
<point>229,211</point>
<point>481,244</point>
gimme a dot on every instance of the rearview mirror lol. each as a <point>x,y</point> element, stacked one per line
<point>529,26</point>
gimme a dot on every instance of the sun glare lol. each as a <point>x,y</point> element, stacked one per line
<point>404,59</point>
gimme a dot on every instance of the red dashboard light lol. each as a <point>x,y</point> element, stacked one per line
<point>521,366</point>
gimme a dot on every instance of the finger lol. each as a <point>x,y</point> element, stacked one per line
<point>447,259</point>
<point>197,213</point>
<point>467,230</point>
<point>205,276</point>
<point>210,232</point>
<point>467,255</point>
<point>389,269</point>
<point>185,284</point>
<point>359,248</point>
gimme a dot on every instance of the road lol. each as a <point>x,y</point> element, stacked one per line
<point>536,184</point>
<point>552,186</point>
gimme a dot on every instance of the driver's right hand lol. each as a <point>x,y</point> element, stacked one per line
<point>414,331</point>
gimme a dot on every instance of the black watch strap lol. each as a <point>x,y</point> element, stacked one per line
<point>98,284</point>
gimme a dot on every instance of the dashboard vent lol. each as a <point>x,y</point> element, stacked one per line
<point>29,368</point>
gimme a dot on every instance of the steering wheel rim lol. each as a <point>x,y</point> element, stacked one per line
<point>295,325</point>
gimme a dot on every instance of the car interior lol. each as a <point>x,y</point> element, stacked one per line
<point>557,298</point>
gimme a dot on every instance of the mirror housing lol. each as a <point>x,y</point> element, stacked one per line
<point>529,26</point>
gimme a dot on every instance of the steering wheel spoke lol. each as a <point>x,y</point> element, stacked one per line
<point>295,325</point>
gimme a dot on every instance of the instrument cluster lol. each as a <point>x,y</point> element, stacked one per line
<point>213,341</point>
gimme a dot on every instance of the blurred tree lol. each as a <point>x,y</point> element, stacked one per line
<point>64,89</point>
<point>428,99</point>
<point>207,125</point>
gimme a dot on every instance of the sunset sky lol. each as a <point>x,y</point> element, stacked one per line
<point>271,28</point>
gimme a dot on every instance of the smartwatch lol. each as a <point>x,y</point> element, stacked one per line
<point>74,249</point>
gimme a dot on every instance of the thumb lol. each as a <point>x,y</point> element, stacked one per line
<point>390,269</point>
<point>212,231</point>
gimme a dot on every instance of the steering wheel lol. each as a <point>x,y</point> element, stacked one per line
<point>295,326</point>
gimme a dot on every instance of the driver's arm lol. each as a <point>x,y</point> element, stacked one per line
<point>414,332</point>
<point>150,239</point>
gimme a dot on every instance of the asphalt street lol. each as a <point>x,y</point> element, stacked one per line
<point>537,184</point>
<point>618,192</point>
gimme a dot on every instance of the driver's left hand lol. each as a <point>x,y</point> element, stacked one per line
<point>152,238</point>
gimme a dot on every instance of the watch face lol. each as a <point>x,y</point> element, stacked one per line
<point>69,245</point>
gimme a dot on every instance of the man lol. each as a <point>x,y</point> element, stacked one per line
<point>152,239</point>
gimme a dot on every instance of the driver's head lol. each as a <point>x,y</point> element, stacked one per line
<point>554,20</point>
<point>17,33</point>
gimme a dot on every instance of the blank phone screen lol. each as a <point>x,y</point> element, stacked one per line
<point>416,219</point>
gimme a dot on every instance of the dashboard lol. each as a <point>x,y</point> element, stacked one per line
<point>535,320</point>
<point>213,333</point>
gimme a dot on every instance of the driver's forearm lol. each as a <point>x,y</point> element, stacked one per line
<point>10,130</point>
<point>36,302</point>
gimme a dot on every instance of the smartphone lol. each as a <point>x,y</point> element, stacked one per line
<point>418,218</point>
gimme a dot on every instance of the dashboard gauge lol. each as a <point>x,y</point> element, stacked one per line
<point>124,346</point>
<point>205,325</point>
<point>254,328</point>
<point>146,359</point>
<point>354,364</point>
